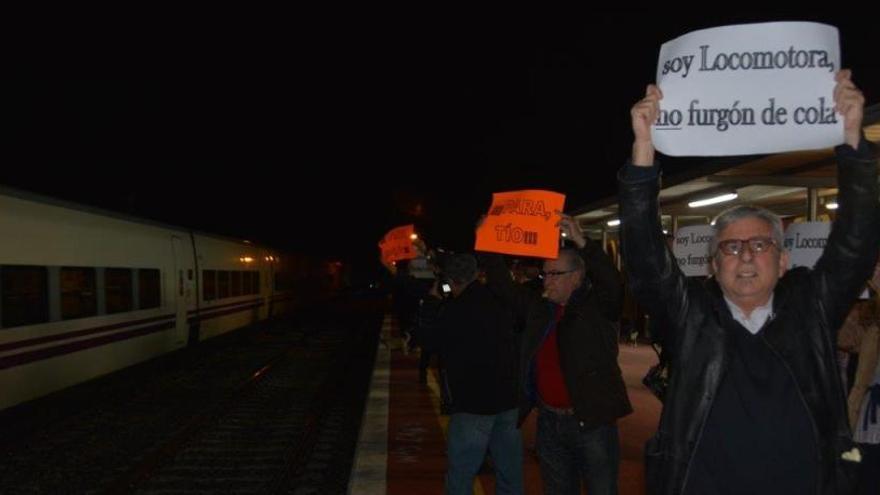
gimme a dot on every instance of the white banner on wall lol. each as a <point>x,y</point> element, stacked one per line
<point>691,250</point>
<point>805,242</point>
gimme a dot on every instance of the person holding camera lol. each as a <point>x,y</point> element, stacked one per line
<point>474,332</point>
<point>568,363</point>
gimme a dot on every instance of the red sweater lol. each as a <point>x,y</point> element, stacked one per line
<point>551,384</point>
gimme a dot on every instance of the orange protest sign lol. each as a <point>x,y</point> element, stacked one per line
<point>398,244</point>
<point>522,223</point>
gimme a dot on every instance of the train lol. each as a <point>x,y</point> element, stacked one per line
<point>85,292</point>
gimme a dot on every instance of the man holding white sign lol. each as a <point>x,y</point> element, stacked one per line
<point>568,363</point>
<point>755,405</point>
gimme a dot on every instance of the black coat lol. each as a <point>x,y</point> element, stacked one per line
<point>475,335</point>
<point>809,307</point>
<point>586,335</point>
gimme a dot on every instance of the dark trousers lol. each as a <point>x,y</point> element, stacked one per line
<point>869,470</point>
<point>569,454</point>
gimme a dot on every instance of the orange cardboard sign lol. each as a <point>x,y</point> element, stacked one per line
<point>398,244</point>
<point>522,223</point>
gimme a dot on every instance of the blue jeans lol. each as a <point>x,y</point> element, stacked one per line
<point>468,438</point>
<point>567,453</point>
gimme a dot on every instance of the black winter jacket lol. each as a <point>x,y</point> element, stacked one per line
<point>587,338</point>
<point>475,335</point>
<point>809,307</point>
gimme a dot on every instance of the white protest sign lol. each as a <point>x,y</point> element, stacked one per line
<point>749,89</point>
<point>691,250</point>
<point>805,242</point>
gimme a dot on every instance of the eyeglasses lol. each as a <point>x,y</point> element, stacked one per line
<point>757,245</point>
<point>555,273</point>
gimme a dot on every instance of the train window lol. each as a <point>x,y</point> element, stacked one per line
<point>78,296</point>
<point>149,288</point>
<point>247,283</point>
<point>209,285</point>
<point>222,284</point>
<point>235,283</point>
<point>256,282</point>
<point>117,290</point>
<point>25,292</point>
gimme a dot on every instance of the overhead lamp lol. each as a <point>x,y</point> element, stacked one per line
<point>614,223</point>
<point>714,200</point>
<point>831,205</point>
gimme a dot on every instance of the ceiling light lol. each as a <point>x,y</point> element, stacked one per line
<point>714,200</point>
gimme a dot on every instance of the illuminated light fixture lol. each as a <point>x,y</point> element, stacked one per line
<point>832,205</point>
<point>564,234</point>
<point>614,223</point>
<point>712,201</point>
<point>413,236</point>
<point>665,231</point>
<point>246,259</point>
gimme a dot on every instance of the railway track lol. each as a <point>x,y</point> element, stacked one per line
<point>275,412</point>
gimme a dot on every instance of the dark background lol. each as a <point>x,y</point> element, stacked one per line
<point>318,133</point>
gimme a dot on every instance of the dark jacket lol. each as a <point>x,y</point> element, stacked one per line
<point>475,335</point>
<point>587,338</point>
<point>809,307</point>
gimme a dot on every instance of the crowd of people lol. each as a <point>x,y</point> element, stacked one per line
<point>756,400</point>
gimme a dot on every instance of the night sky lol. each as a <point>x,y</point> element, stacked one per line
<point>317,133</point>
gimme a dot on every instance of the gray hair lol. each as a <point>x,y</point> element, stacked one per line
<point>737,213</point>
<point>461,268</point>
<point>575,262</point>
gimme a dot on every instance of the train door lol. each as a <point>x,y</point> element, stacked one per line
<point>271,282</point>
<point>183,293</point>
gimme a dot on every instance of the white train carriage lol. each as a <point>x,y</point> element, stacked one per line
<point>235,285</point>
<point>86,292</point>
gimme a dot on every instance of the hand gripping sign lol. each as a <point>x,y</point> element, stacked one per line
<point>522,223</point>
<point>748,89</point>
<point>398,244</point>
